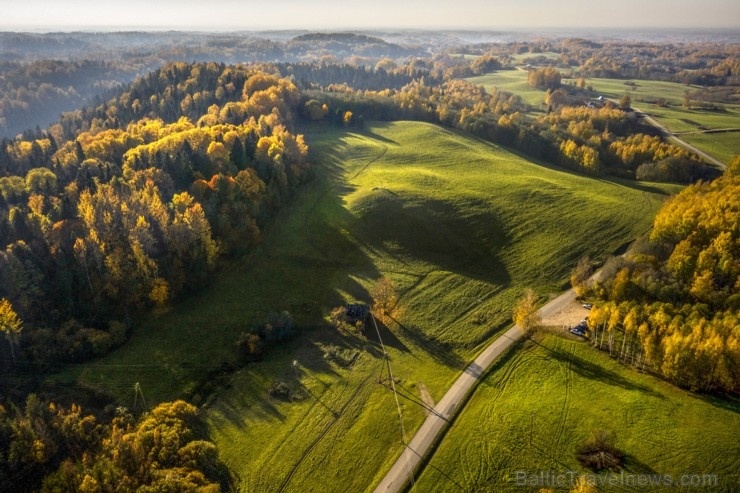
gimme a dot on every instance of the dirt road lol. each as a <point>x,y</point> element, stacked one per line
<point>450,404</point>
<point>670,135</point>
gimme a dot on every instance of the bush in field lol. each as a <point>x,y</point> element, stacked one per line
<point>600,452</point>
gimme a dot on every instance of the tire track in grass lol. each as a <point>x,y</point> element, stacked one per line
<point>472,476</point>
<point>503,381</point>
<point>335,419</point>
<point>566,400</point>
<point>489,461</point>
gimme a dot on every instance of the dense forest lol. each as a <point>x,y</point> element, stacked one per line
<point>165,450</point>
<point>185,165</point>
<point>116,209</point>
<point>671,304</point>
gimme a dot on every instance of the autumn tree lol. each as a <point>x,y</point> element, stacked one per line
<point>583,485</point>
<point>385,298</point>
<point>625,102</point>
<point>526,313</point>
<point>673,306</point>
<point>315,110</point>
<point>580,275</point>
<point>10,325</point>
<point>544,78</point>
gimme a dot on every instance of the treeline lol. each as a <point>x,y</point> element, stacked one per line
<point>230,48</point>
<point>611,141</point>
<point>319,76</point>
<point>35,94</point>
<point>186,165</point>
<point>45,446</point>
<point>672,305</point>
<point>704,63</point>
<point>596,141</point>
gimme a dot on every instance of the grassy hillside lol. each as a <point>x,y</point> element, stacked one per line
<point>460,225</point>
<point>541,402</point>
<point>515,82</point>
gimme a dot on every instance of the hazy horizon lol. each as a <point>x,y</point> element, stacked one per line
<point>235,15</point>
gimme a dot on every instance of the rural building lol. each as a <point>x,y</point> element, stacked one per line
<point>357,311</point>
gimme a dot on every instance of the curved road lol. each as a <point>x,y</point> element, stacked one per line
<point>652,121</point>
<point>450,405</point>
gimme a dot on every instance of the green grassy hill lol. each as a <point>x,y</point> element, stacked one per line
<point>542,401</point>
<point>515,82</point>
<point>460,225</point>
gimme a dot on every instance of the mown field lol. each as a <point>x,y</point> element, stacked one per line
<point>515,82</point>
<point>460,225</point>
<point>542,401</point>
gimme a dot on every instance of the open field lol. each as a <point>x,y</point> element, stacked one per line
<point>520,57</point>
<point>542,401</point>
<point>515,82</point>
<point>460,225</point>
<point>689,124</point>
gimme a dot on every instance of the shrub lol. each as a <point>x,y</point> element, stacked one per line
<point>599,452</point>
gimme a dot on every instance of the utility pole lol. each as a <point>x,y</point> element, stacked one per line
<point>138,392</point>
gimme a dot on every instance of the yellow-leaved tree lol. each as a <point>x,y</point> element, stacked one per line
<point>10,325</point>
<point>526,313</point>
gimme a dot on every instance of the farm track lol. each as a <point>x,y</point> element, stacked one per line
<point>566,399</point>
<point>503,382</point>
<point>336,417</point>
<point>673,136</point>
<point>708,131</point>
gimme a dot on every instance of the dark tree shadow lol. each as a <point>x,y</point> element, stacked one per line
<point>440,352</point>
<point>593,371</point>
<point>633,465</point>
<point>389,339</point>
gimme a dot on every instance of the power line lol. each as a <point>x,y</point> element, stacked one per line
<point>395,394</point>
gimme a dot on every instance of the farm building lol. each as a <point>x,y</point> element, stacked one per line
<point>357,311</point>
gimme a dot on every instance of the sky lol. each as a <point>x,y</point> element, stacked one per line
<point>224,15</point>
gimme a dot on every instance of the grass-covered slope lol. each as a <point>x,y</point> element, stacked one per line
<point>515,82</point>
<point>540,403</point>
<point>460,225</point>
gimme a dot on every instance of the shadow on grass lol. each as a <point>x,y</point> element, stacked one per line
<point>593,371</point>
<point>260,406</point>
<point>726,402</point>
<point>389,339</point>
<point>633,465</point>
<point>440,352</point>
<point>369,133</point>
<point>334,413</point>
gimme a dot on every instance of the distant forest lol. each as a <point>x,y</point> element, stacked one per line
<point>134,165</point>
